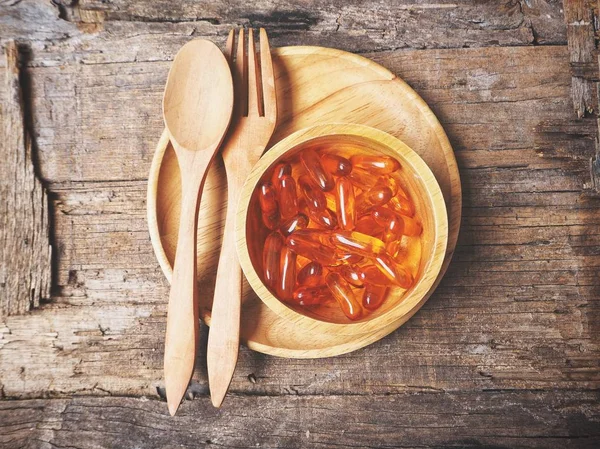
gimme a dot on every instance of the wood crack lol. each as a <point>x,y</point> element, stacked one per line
<point>25,253</point>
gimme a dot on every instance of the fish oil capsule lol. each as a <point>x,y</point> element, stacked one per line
<point>324,219</point>
<point>412,228</point>
<point>362,179</point>
<point>330,198</point>
<point>288,200</point>
<point>396,273</point>
<point>352,274</point>
<point>310,296</point>
<point>402,206</point>
<point>381,165</point>
<point>358,243</point>
<point>315,199</point>
<point>267,198</point>
<point>281,169</point>
<point>312,163</point>
<point>271,221</point>
<point>310,275</point>
<point>373,296</point>
<point>376,196</point>
<point>373,276</point>
<point>287,273</point>
<point>389,182</point>
<point>310,249</point>
<point>367,225</point>
<point>314,236</point>
<point>336,165</point>
<point>271,254</point>
<point>343,257</point>
<point>296,223</point>
<point>344,200</point>
<point>393,224</point>
<point>343,294</point>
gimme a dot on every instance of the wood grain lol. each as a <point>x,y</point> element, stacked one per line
<point>579,18</point>
<point>524,419</point>
<point>528,251</point>
<point>528,245</point>
<point>145,29</point>
<point>25,251</point>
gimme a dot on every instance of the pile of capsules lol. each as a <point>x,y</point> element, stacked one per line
<point>336,226</point>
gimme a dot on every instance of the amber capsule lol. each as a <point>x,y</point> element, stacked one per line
<point>381,165</point>
<point>357,243</point>
<point>267,198</point>
<point>377,195</point>
<point>281,169</point>
<point>315,198</point>
<point>271,221</point>
<point>336,165</point>
<point>362,179</point>
<point>296,223</point>
<point>344,201</point>
<point>324,219</point>
<point>393,224</point>
<point>308,248</point>
<point>288,200</point>
<point>373,296</point>
<point>402,206</point>
<point>312,163</point>
<point>310,296</point>
<point>373,276</point>
<point>367,225</point>
<point>314,236</point>
<point>330,198</point>
<point>287,273</point>
<point>393,271</point>
<point>271,252</point>
<point>343,294</point>
<point>344,257</point>
<point>310,275</point>
<point>352,274</point>
<point>412,228</point>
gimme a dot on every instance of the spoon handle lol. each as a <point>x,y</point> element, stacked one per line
<point>181,337</point>
<point>224,335</point>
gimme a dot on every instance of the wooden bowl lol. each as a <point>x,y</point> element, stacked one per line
<point>430,208</point>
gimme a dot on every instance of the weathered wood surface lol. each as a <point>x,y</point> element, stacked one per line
<point>24,228</point>
<point>537,419</point>
<point>528,247</point>
<point>354,26</point>
<point>505,353</point>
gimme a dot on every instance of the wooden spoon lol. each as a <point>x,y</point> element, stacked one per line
<point>197,107</point>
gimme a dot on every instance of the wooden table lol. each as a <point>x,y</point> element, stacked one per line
<point>506,352</point>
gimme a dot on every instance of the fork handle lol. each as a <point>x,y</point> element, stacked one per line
<point>224,335</point>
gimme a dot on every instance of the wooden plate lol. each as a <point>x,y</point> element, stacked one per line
<point>315,85</point>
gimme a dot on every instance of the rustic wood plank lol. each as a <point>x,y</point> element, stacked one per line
<point>487,99</point>
<point>580,17</point>
<point>355,26</point>
<point>528,247</point>
<point>524,419</point>
<point>24,250</point>
<point>534,266</point>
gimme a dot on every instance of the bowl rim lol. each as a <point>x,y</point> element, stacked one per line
<point>440,218</point>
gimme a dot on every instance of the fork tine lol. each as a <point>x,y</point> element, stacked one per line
<point>254,101</point>
<point>239,76</point>
<point>268,78</point>
<point>229,48</point>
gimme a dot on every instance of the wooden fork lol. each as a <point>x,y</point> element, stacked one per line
<point>252,124</point>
